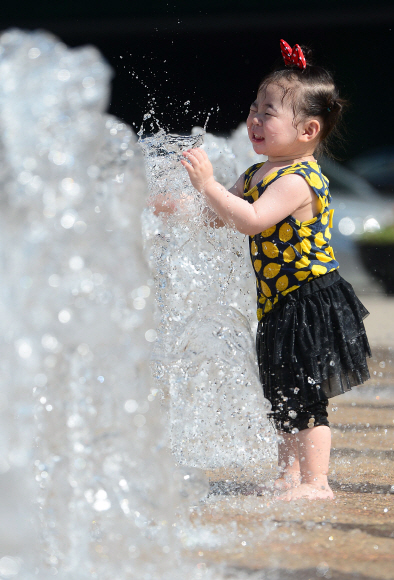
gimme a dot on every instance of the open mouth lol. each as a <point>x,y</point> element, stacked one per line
<point>257,137</point>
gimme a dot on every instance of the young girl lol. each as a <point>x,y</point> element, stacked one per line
<point>311,341</point>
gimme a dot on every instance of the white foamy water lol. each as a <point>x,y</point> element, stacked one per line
<point>83,440</point>
<point>84,467</point>
<point>204,357</point>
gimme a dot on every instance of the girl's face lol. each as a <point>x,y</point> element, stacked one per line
<point>271,127</point>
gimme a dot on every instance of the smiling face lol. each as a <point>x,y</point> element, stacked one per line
<point>272,129</point>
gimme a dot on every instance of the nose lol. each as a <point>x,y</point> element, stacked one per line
<point>256,120</point>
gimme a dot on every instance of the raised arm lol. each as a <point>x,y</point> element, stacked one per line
<point>281,199</point>
<point>164,204</point>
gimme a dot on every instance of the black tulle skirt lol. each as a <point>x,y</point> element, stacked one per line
<point>313,346</point>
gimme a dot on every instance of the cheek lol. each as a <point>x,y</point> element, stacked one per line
<point>290,127</point>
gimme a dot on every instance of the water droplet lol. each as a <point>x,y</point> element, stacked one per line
<point>131,406</point>
<point>64,316</point>
<point>76,263</point>
<point>24,348</point>
<point>34,53</point>
<point>151,335</point>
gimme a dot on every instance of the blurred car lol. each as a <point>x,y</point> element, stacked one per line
<point>359,207</point>
<point>377,167</point>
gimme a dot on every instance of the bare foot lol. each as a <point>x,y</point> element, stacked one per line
<point>288,481</point>
<point>307,491</point>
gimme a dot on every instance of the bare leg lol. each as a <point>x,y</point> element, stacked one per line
<point>314,453</point>
<point>288,462</point>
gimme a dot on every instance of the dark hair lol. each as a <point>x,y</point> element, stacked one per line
<point>313,93</point>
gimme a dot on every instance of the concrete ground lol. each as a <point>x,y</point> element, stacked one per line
<point>380,322</point>
<point>349,538</point>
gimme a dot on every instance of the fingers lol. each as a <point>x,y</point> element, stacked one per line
<point>198,166</point>
<point>189,168</point>
<point>195,156</point>
<point>197,153</point>
<point>191,157</point>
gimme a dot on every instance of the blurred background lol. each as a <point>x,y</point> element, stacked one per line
<point>187,60</point>
<point>214,53</point>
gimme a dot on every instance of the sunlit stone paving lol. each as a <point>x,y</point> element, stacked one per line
<point>351,537</point>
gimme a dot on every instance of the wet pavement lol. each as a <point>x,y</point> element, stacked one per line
<point>351,537</point>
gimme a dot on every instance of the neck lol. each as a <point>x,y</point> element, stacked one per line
<point>291,159</point>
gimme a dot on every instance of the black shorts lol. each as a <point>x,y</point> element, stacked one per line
<point>312,346</point>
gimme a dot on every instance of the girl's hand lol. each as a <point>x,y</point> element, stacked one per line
<point>199,169</point>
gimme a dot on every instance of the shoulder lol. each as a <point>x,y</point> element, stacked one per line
<point>315,177</point>
<point>290,182</point>
<point>291,191</point>
<point>311,175</point>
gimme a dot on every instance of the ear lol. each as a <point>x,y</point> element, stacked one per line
<point>310,130</point>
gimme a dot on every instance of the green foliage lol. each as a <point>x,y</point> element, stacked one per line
<point>380,237</point>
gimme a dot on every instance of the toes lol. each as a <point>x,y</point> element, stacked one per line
<point>282,485</point>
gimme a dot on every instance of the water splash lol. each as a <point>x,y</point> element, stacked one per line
<point>78,404</point>
<point>204,356</point>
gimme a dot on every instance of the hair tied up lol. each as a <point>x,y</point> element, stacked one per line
<point>310,91</point>
<point>292,56</point>
<point>334,106</point>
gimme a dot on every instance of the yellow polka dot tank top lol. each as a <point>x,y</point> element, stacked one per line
<point>292,253</point>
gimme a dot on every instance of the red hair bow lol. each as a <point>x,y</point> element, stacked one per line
<point>292,56</point>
